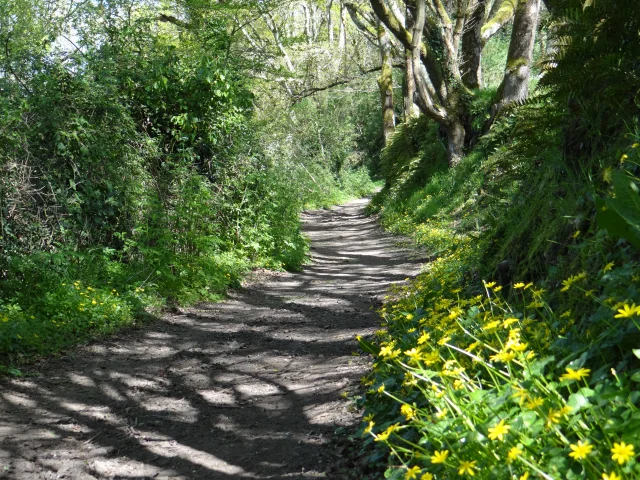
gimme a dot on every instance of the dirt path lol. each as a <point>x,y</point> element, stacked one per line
<point>247,388</point>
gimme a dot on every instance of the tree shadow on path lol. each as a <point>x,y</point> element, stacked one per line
<point>247,388</point>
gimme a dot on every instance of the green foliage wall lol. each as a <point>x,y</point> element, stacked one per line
<point>133,171</point>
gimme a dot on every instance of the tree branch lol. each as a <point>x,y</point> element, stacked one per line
<point>310,91</point>
<point>405,37</point>
<point>502,16</point>
<point>173,20</point>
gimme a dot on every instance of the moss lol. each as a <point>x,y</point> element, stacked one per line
<point>502,16</point>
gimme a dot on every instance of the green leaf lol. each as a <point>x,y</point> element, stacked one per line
<point>537,368</point>
<point>627,200</point>
<point>578,401</point>
<point>610,220</point>
<point>368,346</point>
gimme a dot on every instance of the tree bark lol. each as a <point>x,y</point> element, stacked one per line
<point>472,45</point>
<point>385,84</point>
<point>515,85</point>
<point>342,36</point>
<point>410,109</point>
<point>455,141</point>
<point>330,21</point>
<point>501,14</point>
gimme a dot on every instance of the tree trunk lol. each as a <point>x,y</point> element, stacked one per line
<point>342,35</point>
<point>385,83</point>
<point>515,85</point>
<point>330,21</point>
<point>410,108</point>
<point>472,45</point>
<point>455,141</point>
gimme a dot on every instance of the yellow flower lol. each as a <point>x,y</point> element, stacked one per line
<point>492,325</point>
<point>519,285</point>
<point>431,358</point>
<point>407,411</point>
<point>565,410</point>
<point>514,453</point>
<point>580,450</point>
<point>472,347</point>
<point>424,338</point>
<point>517,346</point>
<point>534,403</point>
<point>426,476</point>
<point>622,452</point>
<point>413,353</point>
<point>508,322</point>
<point>553,416</point>
<point>439,456</point>
<point>443,340</point>
<point>412,473</point>
<point>608,267</point>
<point>381,389</point>
<point>628,311</point>
<point>499,431</point>
<point>611,476</point>
<point>385,435</point>
<point>575,374</point>
<point>441,414</point>
<point>369,427</point>
<point>504,357</point>
<point>467,467</point>
<point>368,418</point>
<point>389,352</point>
<point>525,476</point>
<point>490,284</point>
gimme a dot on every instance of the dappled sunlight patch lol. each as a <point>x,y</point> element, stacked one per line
<point>111,392</point>
<point>19,399</point>
<point>258,389</point>
<point>325,413</point>
<point>82,380</point>
<point>101,412</point>
<point>122,467</point>
<point>183,410</point>
<point>218,397</point>
<point>157,384</point>
<point>170,448</point>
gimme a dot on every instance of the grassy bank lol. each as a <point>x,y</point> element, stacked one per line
<point>514,354</point>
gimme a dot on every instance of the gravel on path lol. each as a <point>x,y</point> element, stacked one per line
<point>247,388</point>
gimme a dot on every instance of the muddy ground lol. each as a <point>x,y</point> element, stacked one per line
<point>247,388</point>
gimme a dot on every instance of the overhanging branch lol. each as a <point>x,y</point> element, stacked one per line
<point>310,91</point>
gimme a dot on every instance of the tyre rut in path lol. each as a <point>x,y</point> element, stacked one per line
<point>246,388</point>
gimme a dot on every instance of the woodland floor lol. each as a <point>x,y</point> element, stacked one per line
<point>247,388</point>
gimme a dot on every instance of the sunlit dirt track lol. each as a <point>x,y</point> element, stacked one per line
<point>247,388</point>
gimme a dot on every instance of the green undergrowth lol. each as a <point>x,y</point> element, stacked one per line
<point>53,300</point>
<point>514,354</point>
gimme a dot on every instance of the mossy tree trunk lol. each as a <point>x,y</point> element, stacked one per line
<point>515,84</point>
<point>385,83</point>
<point>410,108</point>
<point>472,46</point>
